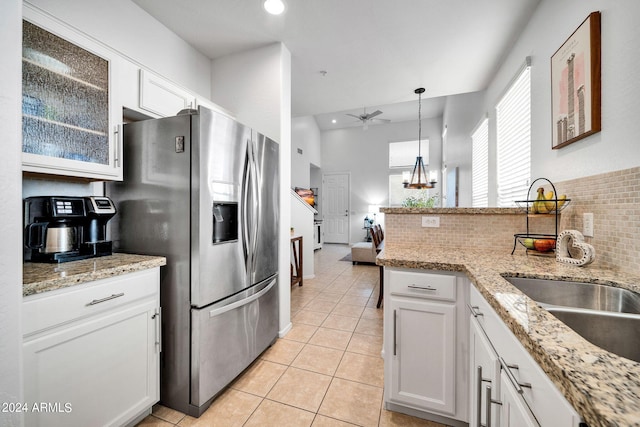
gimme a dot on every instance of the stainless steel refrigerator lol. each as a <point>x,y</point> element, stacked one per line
<point>202,190</point>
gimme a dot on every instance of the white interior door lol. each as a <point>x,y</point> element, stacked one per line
<point>335,190</point>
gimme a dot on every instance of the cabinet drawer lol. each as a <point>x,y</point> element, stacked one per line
<point>43,311</point>
<point>423,285</point>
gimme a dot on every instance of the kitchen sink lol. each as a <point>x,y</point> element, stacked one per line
<point>606,316</point>
<point>578,295</point>
<point>615,332</point>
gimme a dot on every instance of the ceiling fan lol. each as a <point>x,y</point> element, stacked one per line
<point>365,118</point>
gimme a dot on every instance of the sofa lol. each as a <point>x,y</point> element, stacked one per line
<point>367,251</point>
<point>363,252</point>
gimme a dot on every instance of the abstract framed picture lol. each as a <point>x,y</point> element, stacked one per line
<point>575,85</point>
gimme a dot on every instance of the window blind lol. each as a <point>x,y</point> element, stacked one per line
<point>513,127</point>
<point>480,165</point>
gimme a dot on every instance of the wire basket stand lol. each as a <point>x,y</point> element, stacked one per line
<point>529,208</point>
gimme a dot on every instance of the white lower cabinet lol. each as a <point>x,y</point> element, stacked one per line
<point>485,374</point>
<point>91,352</point>
<point>506,382</point>
<point>514,412</point>
<point>424,345</point>
<point>424,355</point>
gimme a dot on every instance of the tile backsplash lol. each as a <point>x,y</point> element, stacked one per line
<point>613,198</point>
<point>487,229</point>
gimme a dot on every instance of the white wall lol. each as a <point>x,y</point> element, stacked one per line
<point>305,135</point>
<point>248,84</point>
<point>615,147</point>
<point>461,117</point>
<point>256,86</point>
<point>365,154</point>
<point>11,212</point>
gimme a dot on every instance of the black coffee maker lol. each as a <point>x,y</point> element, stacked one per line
<point>62,228</point>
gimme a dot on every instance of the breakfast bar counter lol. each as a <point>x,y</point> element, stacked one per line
<point>44,277</point>
<point>602,387</point>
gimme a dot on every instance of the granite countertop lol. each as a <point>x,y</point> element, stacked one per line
<point>454,211</point>
<point>44,277</point>
<point>602,387</point>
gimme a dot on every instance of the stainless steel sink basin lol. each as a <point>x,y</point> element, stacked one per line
<point>606,316</point>
<point>614,332</point>
<point>578,295</point>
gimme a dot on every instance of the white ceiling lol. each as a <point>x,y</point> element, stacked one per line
<point>375,52</point>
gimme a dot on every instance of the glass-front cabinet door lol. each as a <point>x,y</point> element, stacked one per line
<point>67,107</point>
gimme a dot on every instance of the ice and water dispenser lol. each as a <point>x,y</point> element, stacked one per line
<point>225,222</point>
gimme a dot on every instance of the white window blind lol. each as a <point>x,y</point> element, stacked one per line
<point>513,126</point>
<point>480,165</point>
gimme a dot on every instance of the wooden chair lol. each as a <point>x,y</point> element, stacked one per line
<point>378,236</point>
<point>380,233</point>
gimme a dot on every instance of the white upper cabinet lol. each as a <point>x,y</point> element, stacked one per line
<point>161,97</point>
<point>70,106</point>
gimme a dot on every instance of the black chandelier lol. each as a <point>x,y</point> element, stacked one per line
<point>419,176</point>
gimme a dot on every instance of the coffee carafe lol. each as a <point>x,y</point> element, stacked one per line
<point>63,228</point>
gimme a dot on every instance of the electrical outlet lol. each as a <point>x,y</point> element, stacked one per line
<point>431,221</point>
<point>587,224</point>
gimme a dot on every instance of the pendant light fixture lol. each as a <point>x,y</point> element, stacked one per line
<point>419,176</point>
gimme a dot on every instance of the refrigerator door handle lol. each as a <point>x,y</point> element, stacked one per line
<point>255,206</point>
<point>250,211</point>
<point>218,311</point>
<point>244,220</point>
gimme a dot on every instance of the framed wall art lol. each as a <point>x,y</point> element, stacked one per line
<point>575,85</point>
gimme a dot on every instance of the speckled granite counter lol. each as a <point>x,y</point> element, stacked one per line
<point>602,387</point>
<point>43,277</point>
<point>453,211</point>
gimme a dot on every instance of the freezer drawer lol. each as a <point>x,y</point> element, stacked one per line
<point>226,339</point>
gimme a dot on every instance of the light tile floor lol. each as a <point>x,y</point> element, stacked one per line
<point>327,371</point>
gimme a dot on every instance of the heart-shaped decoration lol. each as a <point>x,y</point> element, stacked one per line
<point>571,249</point>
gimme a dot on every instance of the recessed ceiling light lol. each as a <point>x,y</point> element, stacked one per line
<point>274,7</point>
<point>334,121</point>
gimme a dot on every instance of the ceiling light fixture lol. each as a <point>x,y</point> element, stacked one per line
<point>274,7</point>
<point>419,176</point>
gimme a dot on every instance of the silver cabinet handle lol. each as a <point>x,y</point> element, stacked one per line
<point>475,310</point>
<point>489,402</point>
<point>157,317</point>
<point>479,399</point>
<point>117,144</point>
<point>479,382</point>
<point>507,369</point>
<point>98,301</point>
<point>422,288</point>
<point>395,325</point>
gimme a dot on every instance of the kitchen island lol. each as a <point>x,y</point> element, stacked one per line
<point>602,387</point>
